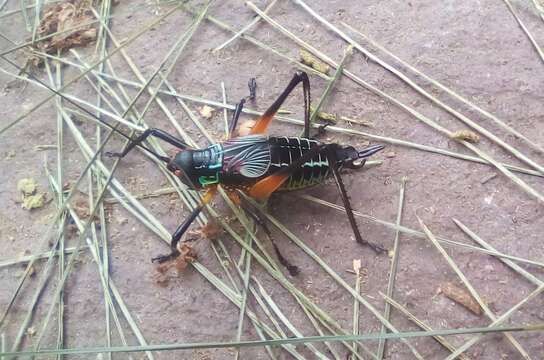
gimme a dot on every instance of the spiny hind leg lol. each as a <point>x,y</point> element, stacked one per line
<point>331,156</point>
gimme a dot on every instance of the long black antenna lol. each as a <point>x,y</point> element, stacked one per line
<point>21,70</point>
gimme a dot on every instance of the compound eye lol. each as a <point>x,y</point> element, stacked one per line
<point>178,173</point>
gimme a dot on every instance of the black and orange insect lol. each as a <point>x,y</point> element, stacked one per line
<point>260,165</point>
<point>256,164</point>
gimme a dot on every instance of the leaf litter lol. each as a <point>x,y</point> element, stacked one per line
<point>59,19</point>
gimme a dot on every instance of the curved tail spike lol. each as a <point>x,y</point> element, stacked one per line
<point>354,159</point>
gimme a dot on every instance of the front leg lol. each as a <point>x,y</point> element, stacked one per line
<point>182,228</point>
<point>176,237</point>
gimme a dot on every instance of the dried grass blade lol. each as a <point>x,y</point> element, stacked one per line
<point>104,282</point>
<point>245,28</point>
<point>143,30</point>
<point>420,234</point>
<point>356,304</point>
<point>394,263</point>
<point>525,30</point>
<point>523,185</point>
<point>28,258</point>
<point>470,288</point>
<point>336,277</point>
<point>422,91</point>
<point>486,245</point>
<point>449,91</point>
<point>330,85</point>
<point>260,343</point>
<point>440,339</point>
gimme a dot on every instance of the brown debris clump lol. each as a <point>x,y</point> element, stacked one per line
<point>462,297</point>
<point>60,18</point>
<point>308,59</point>
<point>466,135</point>
<point>210,231</point>
<point>187,255</point>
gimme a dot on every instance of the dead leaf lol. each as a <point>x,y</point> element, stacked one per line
<point>62,18</point>
<point>462,297</point>
<point>357,265</point>
<point>390,154</point>
<point>210,231</point>
<point>465,135</point>
<point>30,331</point>
<point>161,278</point>
<point>245,127</point>
<point>207,112</point>
<point>187,256</point>
<point>164,271</point>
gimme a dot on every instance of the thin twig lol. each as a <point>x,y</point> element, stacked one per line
<point>440,339</point>
<point>347,53</point>
<point>525,30</point>
<point>422,91</point>
<point>245,28</point>
<point>449,91</point>
<point>394,263</point>
<point>522,184</point>
<point>470,288</point>
<point>420,234</point>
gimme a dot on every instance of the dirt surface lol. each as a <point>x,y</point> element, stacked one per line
<point>476,48</point>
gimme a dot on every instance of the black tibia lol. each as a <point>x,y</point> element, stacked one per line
<point>176,237</point>
<point>252,85</point>
<point>161,134</point>
<point>254,212</point>
<point>333,160</point>
<point>297,78</point>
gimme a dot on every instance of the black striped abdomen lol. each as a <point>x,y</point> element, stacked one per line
<point>286,150</point>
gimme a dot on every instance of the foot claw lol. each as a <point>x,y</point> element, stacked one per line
<point>113,154</point>
<point>252,84</point>
<point>377,248</point>
<point>163,258</point>
<point>322,129</point>
<point>293,270</point>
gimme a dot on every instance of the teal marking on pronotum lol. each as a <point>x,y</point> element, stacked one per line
<point>218,149</point>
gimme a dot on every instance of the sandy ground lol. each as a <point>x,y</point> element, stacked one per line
<point>476,48</point>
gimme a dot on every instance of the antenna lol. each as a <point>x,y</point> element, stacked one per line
<point>21,70</point>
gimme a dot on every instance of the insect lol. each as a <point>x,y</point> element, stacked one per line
<point>258,164</point>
